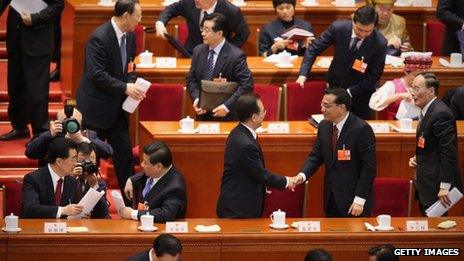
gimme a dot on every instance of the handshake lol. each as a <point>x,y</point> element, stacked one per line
<point>294,181</point>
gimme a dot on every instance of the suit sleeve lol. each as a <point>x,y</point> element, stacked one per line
<point>37,147</point>
<point>251,162</point>
<point>175,201</point>
<point>49,13</point>
<point>240,30</point>
<point>316,48</point>
<point>172,11</point>
<point>31,207</point>
<point>314,159</point>
<point>446,14</point>
<point>104,150</point>
<point>244,79</point>
<point>193,88</point>
<point>368,166</point>
<point>265,42</point>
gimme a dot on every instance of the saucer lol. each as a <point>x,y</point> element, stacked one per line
<point>295,224</point>
<point>187,131</point>
<point>146,66</point>
<point>309,4</point>
<point>239,4</point>
<point>456,65</point>
<point>284,226</point>
<point>284,65</point>
<point>151,229</point>
<point>105,4</point>
<point>11,230</point>
<point>383,228</point>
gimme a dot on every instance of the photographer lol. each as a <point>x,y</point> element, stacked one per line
<point>36,148</point>
<point>86,172</point>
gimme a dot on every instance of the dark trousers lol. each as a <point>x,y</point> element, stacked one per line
<point>28,87</point>
<point>57,42</point>
<point>333,211</point>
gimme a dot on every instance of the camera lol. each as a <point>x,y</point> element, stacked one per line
<point>70,125</point>
<point>88,167</point>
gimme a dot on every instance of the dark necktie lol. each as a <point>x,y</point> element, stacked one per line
<point>208,74</point>
<point>122,50</point>
<point>354,44</point>
<point>203,19</point>
<point>59,185</point>
<point>334,138</point>
<point>147,187</point>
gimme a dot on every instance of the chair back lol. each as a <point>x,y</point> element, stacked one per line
<point>301,102</point>
<point>271,98</point>
<point>13,198</point>
<point>293,203</point>
<point>434,32</point>
<point>139,39</point>
<point>392,196</point>
<point>163,102</point>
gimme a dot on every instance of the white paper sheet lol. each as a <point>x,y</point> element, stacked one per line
<point>130,104</point>
<point>119,201</point>
<point>28,6</point>
<point>437,209</point>
<point>89,201</point>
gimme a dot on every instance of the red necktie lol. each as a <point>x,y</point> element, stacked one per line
<point>334,138</point>
<point>58,192</point>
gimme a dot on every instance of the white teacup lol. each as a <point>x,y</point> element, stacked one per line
<point>11,222</point>
<point>187,123</point>
<point>106,1</point>
<point>146,221</point>
<point>278,218</point>
<point>146,58</point>
<point>384,221</point>
<point>405,124</point>
<point>455,59</point>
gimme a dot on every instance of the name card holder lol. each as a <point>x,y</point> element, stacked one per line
<point>278,128</point>
<point>55,227</point>
<point>422,3</point>
<point>176,227</point>
<point>208,128</point>
<point>166,62</point>
<point>417,225</point>
<point>380,127</point>
<point>309,226</point>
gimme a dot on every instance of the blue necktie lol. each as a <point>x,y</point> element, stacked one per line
<point>147,187</point>
<point>122,50</point>
<point>208,74</point>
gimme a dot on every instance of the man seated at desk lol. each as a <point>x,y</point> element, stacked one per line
<point>159,190</point>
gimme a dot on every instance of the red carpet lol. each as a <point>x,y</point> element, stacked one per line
<point>12,152</point>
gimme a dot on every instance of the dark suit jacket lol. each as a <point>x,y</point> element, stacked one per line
<point>451,13</point>
<point>167,200</point>
<point>37,147</point>
<point>244,177</point>
<point>36,39</point>
<point>103,83</point>
<point>438,161</point>
<point>142,256</point>
<point>38,198</point>
<point>275,29</point>
<point>345,179</point>
<point>231,64</point>
<point>457,104</point>
<point>341,74</point>
<point>238,30</point>
<point>101,208</point>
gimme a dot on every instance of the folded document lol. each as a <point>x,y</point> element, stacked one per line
<point>437,209</point>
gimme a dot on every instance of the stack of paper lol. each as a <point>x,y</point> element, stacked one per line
<point>131,104</point>
<point>119,201</point>
<point>88,202</point>
<point>437,209</point>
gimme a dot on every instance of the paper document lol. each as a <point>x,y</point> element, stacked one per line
<point>119,201</point>
<point>130,104</point>
<point>437,209</point>
<point>28,6</point>
<point>297,34</point>
<point>89,201</point>
<point>77,229</point>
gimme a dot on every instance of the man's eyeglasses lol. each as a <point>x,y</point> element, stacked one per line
<point>328,105</point>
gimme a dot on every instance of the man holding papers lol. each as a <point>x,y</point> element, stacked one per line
<point>436,159</point>
<point>108,79</point>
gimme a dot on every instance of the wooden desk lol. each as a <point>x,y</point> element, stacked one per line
<point>200,159</point>
<point>249,239</point>
<point>81,17</point>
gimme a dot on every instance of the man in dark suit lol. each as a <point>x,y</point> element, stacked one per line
<point>166,247</point>
<point>345,144</point>
<point>160,188</point>
<point>451,13</point>
<point>108,79</point>
<point>29,47</point>
<point>194,11</point>
<point>436,159</point>
<point>50,191</point>
<point>215,60</point>
<point>358,61</point>
<point>457,104</point>
<point>245,176</point>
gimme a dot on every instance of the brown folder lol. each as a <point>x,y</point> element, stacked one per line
<point>213,94</point>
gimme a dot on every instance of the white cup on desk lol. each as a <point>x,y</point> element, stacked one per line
<point>146,221</point>
<point>278,218</point>
<point>384,221</point>
<point>106,1</point>
<point>455,59</point>
<point>405,124</point>
<point>146,58</point>
<point>11,223</point>
<point>187,124</point>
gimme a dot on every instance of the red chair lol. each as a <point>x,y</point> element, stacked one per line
<point>300,103</point>
<point>433,34</point>
<point>139,39</point>
<point>293,203</point>
<point>12,198</point>
<point>271,98</point>
<point>392,196</point>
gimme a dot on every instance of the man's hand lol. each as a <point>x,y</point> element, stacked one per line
<point>129,189</point>
<point>355,209</point>
<point>405,47</point>
<point>301,80</point>
<point>160,30</point>
<point>77,137</point>
<point>412,162</point>
<point>27,20</point>
<point>77,171</point>
<point>55,128</point>
<point>443,197</point>
<point>126,213</point>
<point>291,183</point>
<point>308,41</point>
<point>198,110</point>
<point>219,111</point>
<point>406,96</point>
<point>395,42</point>
<point>134,92</point>
<point>280,45</point>
<point>92,180</point>
<point>72,210</point>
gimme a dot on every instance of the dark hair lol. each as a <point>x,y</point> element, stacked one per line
<point>123,6</point>
<point>319,254</point>
<point>384,253</point>
<point>59,148</point>
<point>220,22</point>
<point>366,15</point>
<point>341,96</point>
<point>167,244</point>
<point>430,81</point>
<point>158,151</point>
<point>87,149</point>
<point>276,3</point>
<point>247,105</point>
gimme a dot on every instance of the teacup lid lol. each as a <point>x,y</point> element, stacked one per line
<point>187,118</point>
<point>278,210</point>
<point>11,216</point>
<point>146,53</point>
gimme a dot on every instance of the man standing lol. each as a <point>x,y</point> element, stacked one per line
<point>218,59</point>
<point>436,159</point>
<point>108,79</point>
<point>451,13</point>
<point>358,61</point>
<point>195,11</point>
<point>244,178</point>
<point>29,47</point>
<point>345,144</point>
